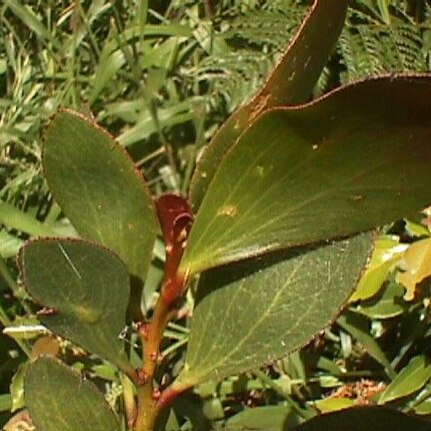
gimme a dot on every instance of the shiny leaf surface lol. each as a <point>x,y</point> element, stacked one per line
<point>291,82</point>
<point>355,159</point>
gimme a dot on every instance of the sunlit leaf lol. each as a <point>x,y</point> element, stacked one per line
<point>416,264</point>
<point>409,380</point>
<point>353,160</point>
<point>291,82</point>
<point>387,251</point>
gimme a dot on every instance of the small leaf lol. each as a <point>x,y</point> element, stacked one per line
<point>416,263</point>
<point>59,399</point>
<point>333,404</point>
<point>409,380</point>
<point>348,162</point>
<point>387,251</point>
<point>267,418</point>
<point>387,304</point>
<point>364,418</point>
<point>257,311</point>
<point>291,82</point>
<point>96,185</point>
<point>88,288</point>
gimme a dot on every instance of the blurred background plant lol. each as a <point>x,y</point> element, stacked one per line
<point>161,76</point>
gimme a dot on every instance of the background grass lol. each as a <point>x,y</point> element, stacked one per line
<point>161,76</point>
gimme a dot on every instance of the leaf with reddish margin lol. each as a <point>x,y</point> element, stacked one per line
<point>98,188</point>
<point>291,82</point>
<point>355,159</point>
<point>86,287</point>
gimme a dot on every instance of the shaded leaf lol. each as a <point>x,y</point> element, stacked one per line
<point>387,251</point>
<point>88,289</point>
<point>409,380</point>
<point>59,399</point>
<point>357,326</point>
<point>99,190</point>
<point>350,161</point>
<point>416,263</point>
<point>291,82</point>
<point>254,312</point>
<point>361,418</point>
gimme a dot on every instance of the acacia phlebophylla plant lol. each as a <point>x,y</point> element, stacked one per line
<point>275,225</point>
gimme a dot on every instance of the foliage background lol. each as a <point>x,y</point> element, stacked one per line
<point>161,76</point>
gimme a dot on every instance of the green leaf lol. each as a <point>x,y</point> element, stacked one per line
<point>386,253</point>
<point>267,418</point>
<point>88,288</point>
<point>363,418</point>
<point>18,219</point>
<point>256,311</point>
<point>291,82</point>
<point>409,380</point>
<point>357,326</point>
<point>59,399</point>
<point>99,190</point>
<point>387,304</point>
<point>355,159</point>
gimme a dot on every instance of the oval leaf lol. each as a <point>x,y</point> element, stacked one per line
<point>88,289</point>
<point>291,82</point>
<point>409,380</point>
<point>364,418</point>
<point>353,160</point>
<point>255,312</point>
<point>59,399</point>
<point>97,187</point>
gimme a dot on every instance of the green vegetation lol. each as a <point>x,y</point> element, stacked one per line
<point>161,77</point>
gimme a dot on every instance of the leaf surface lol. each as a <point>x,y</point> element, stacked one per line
<point>362,418</point>
<point>416,263</point>
<point>88,289</point>
<point>266,418</point>
<point>59,399</point>
<point>291,82</point>
<point>353,160</point>
<point>256,311</point>
<point>409,380</point>
<point>97,187</point>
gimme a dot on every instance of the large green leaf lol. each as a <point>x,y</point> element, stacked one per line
<point>291,82</point>
<point>59,399</point>
<point>88,289</point>
<point>365,418</point>
<point>95,183</point>
<point>256,311</point>
<point>355,159</point>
